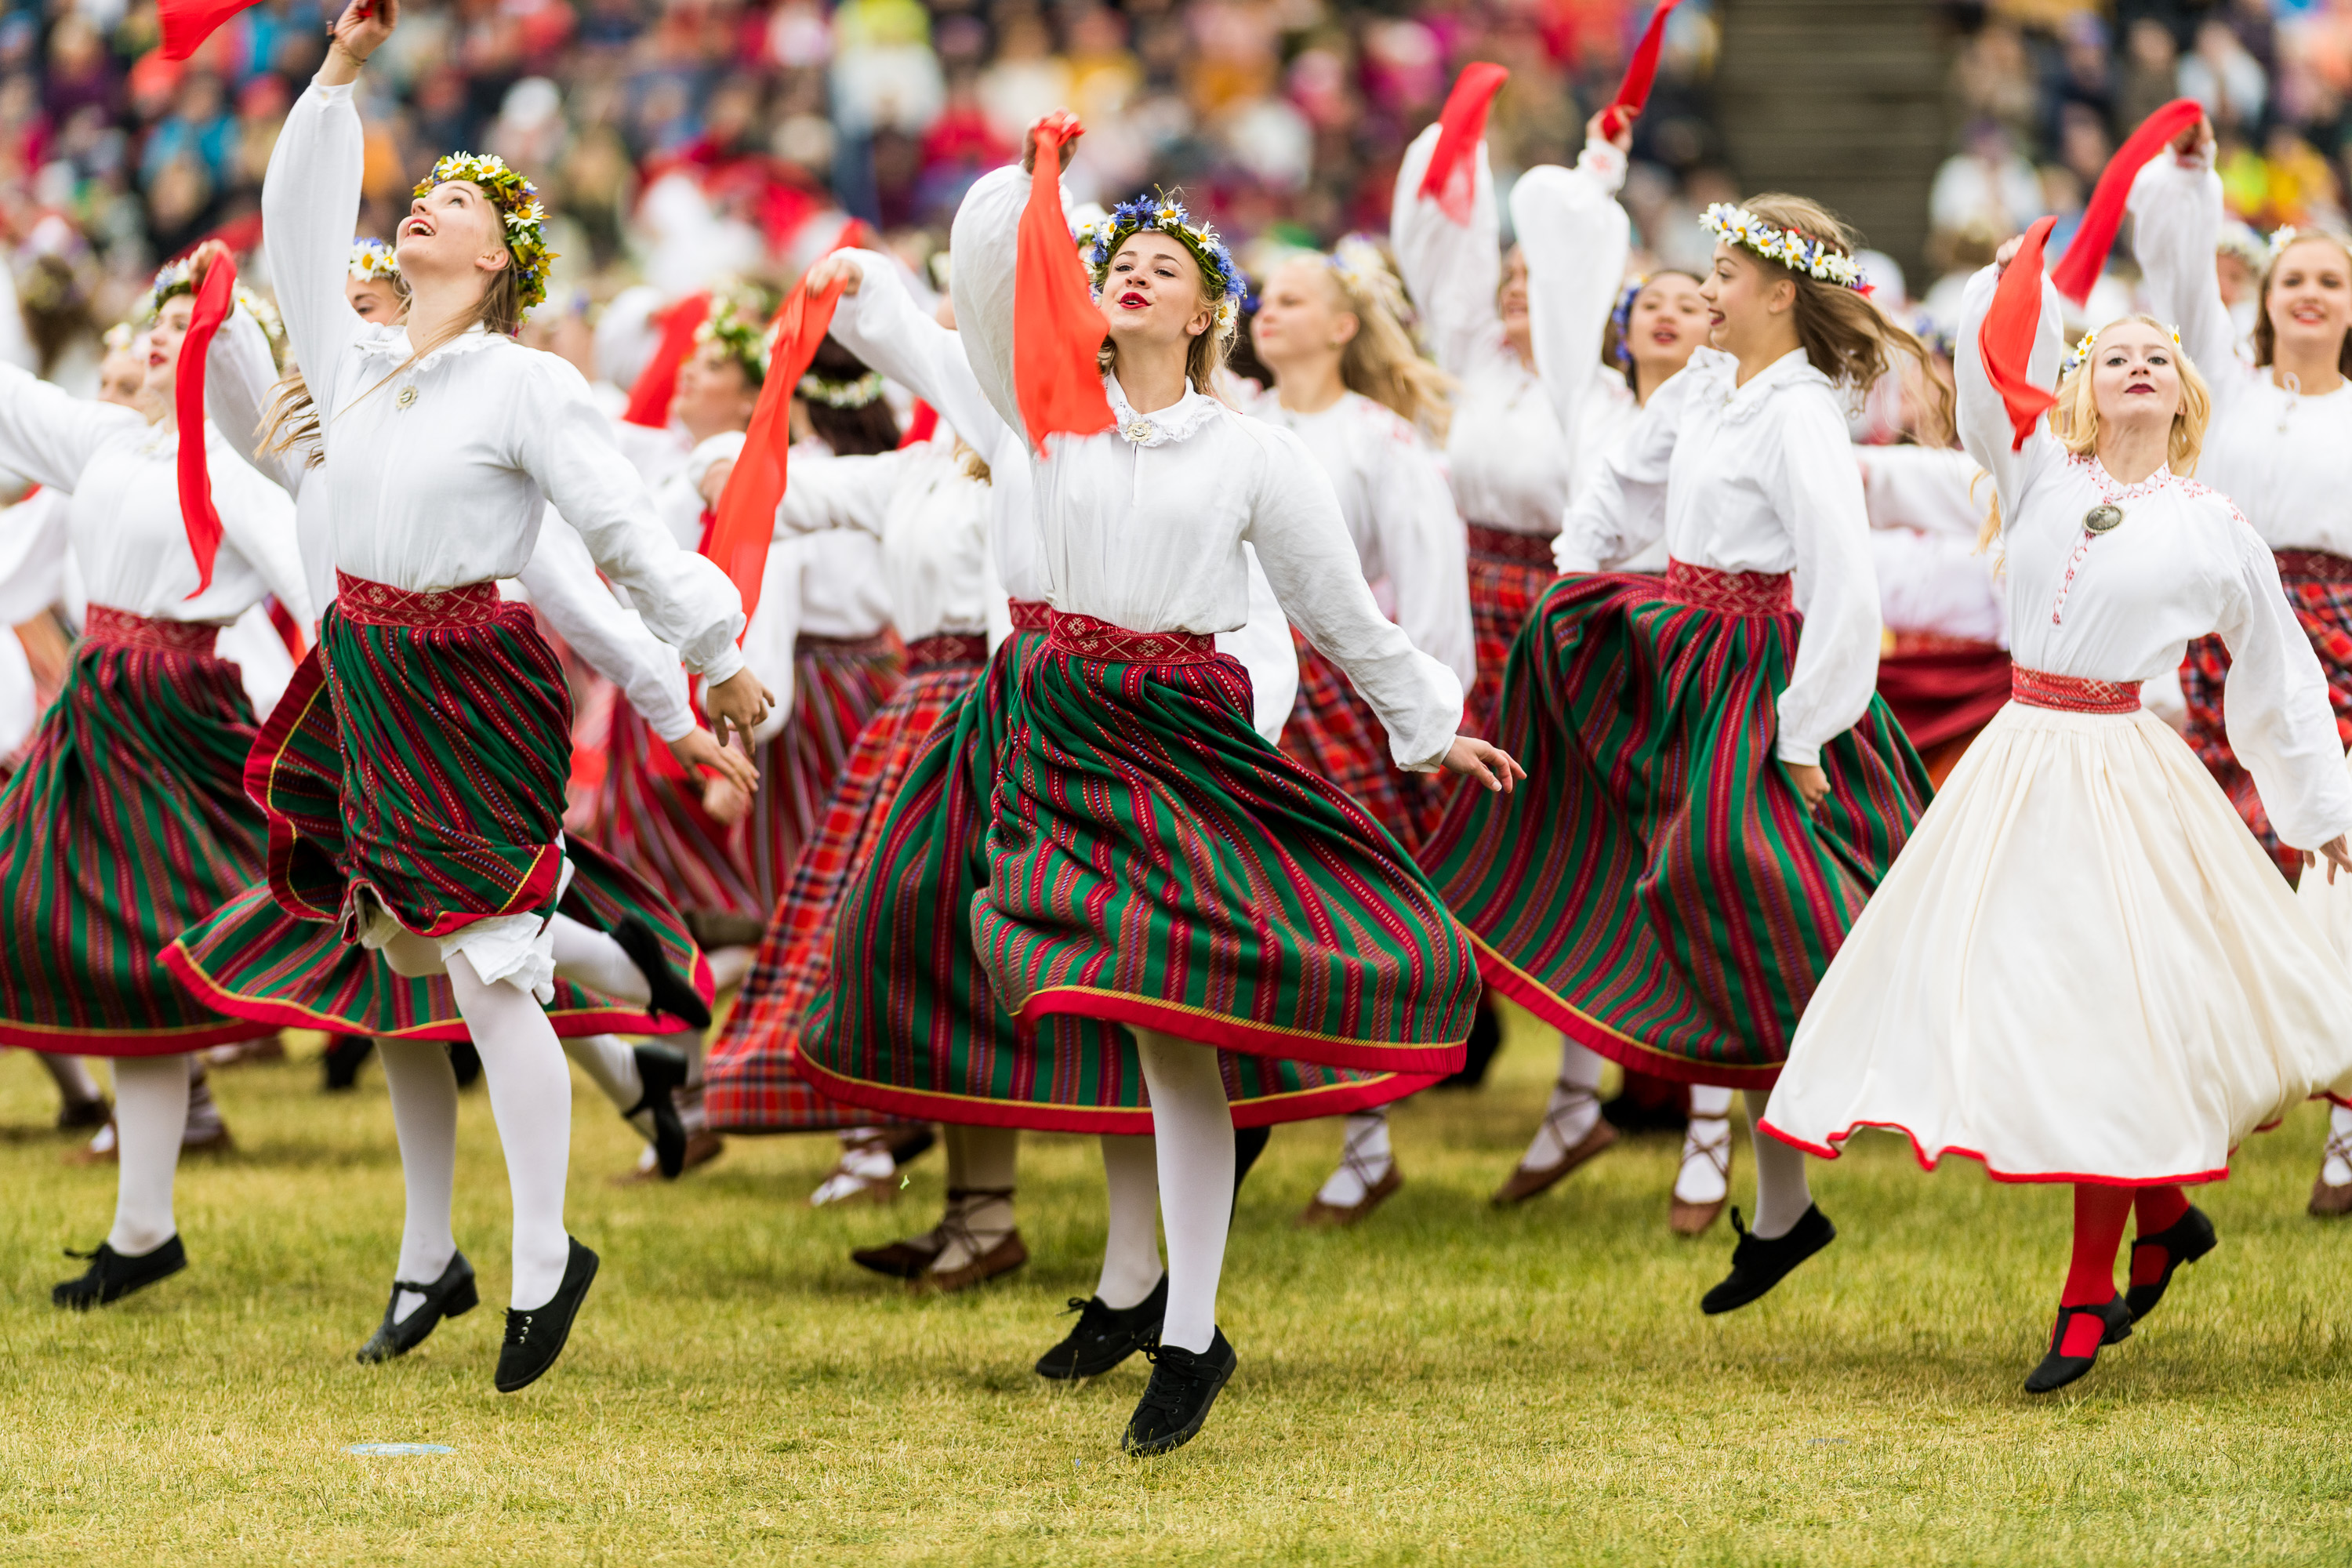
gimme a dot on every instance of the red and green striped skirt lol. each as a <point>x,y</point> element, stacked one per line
<point>416,764</point>
<point>752,1078</point>
<point>1655,888</point>
<point>648,812</point>
<point>838,683</point>
<point>914,1024</point>
<point>127,823</point>
<point>1335,733</point>
<point>2319,591</point>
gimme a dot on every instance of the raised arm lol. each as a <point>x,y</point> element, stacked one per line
<point>49,436</point>
<point>983,242</point>
<point>1983,418</point>
<point>1452,272</point>
<point>1576,239</point>
<point>310,203</point>
<point>562,581</point>
<point>257,522</point>
<point>1622,510</point>
<point>1425,551</point>
<point>842,492</point>
<point>2276,706</point>
<point>566,447</point>
<point>1816,489</point>
<point>1302,542</point>
<point>33,541</point>
<point>2176,210</point>
<point>240,379</point>
<point>882,325</point>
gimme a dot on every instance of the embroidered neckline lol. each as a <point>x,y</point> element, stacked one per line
<point>391,344</point>
<point>1740,404</point>
<point>1179,422</point>
<point>2111,489</point>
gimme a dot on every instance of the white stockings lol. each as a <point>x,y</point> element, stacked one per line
<point>590,958</point>
<point>1574,1110</point>
<point>1705,1173</point>
<point>1131,1248</point>
<point>1192,1126</point>
<point>1782,1194</point>
<point>150,1112</point>
<point>424,1114</point>
<point>1365,1159</point>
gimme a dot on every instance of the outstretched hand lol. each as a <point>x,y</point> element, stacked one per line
<point>698,753</point>
<point>1613,125</point>
<point>740,701</point>
<point>1490,765</point>
<point>837,265</point>
<point>1029,143</point>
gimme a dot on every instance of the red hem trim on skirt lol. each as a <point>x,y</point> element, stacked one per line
<point>1228,1033</point>
<point>569,1023</point>
<point>1531,994</point>
<point>126,1042</point>
<point>2074,1178</point>
<point>981,1110</point>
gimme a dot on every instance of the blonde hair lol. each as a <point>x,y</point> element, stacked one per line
<point>1380,361</point>
<point>2074,418</point>
<point>2266,335</point>
<point>1845,335</point>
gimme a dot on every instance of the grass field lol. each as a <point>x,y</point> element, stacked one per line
<point>1446,1385</point>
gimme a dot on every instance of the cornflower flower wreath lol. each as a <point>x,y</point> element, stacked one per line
<point>2080,354</point>
<point>1786,246</point>
<point>1163,214</point>
<point>176,278</point>
<point>1621,317</point>
<point>372,259</point>
<point>517,201</point>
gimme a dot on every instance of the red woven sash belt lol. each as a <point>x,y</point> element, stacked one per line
<point>1084,636</point>
<point>368,604</point>
<point>2071,693</point>
<point>2298,566</point>
<point>1730,593</point>
<point>1030,614</point>
<point>121,628</point>
<point>948,648</point>
<point>1502,545</point>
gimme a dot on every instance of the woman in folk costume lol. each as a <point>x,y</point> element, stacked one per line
<point>1349,385</point>
<point>1717,790</point>
<point>2280,446</point>
<point>2081,969</point>
<point>1153,864</point>
<point>129,819</point>
<point>421,812</point>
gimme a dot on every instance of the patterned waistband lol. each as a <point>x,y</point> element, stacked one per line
<point>369,604</point>
<point>1730,593</point>
<point>2071,693</point>
<point>1030,614</point>
<point>948,648</point>
<point>2313,566</point>
<point>122,629</point>
<point>881,645</point>
<point>1502,545</point>
<point>1083,637</point>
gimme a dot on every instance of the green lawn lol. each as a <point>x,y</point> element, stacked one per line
<point>1445,1384</point>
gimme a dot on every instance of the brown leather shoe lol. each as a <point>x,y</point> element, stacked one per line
<point>2329,1203</point>
<point>1693,1219</point>
<point>1320,1215</point>
<point>904,1259</point>
<point>1003,1258</point>
<point>1526,1182</point>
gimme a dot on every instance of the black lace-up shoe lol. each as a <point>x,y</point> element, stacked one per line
<point>2184,1240</point>
<point>662,1071</point>
<point>1757,1265</point>
<point>671,992</point>
<point>2057,1369</point>
<point>1104,1336</point>
<point>1176,1402</point>
<point>111,1276</point>
<point>534,1338</point>
<point>451,1296</point>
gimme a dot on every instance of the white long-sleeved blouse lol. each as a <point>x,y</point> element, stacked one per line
<point>2284,458</point>
<point>1927,507</point>
<point>2123,604</point>
<point>1518,434</point>
<point>930,517</point>
<point>437,473</point>
<point>1149,531</point>
<point>1759,478</point>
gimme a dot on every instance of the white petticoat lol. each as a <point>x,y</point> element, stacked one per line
<point>503,947</point>
<point>2081,967</point>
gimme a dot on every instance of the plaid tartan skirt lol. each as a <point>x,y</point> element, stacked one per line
<point>1655,888</point>
<point>838,683</point>
<point>914,1025</point>
<point>752,1078</point>
<point>127,821</point>
<point>1334,732</point>
<point>2319,591</point>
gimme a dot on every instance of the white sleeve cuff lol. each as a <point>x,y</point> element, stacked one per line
<point>724,667</point>
<point>1798,753</point>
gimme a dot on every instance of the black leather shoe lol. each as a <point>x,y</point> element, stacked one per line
<point>1757,1265</point>
<point>2057,1371</point>
<point>534,1338</point>
<point>662,1071</point>
<point>451,1296</point>
<point>111,1276</point>
<point>1176,1402</point>
<point>671,994</point>
<point>1104,1336</point>
<point>78,1115</point>
<point>2184,1240</point>
<point>346,1054</point>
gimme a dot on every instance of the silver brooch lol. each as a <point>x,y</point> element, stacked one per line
<point>2100,518</point>
<point>407,398</point>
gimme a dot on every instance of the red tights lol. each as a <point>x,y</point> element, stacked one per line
<point>2099,1214</point>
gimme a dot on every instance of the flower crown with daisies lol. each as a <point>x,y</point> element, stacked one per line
<point>178,277</point>
<point>1785,246</point>
<point>1364,273</point>
<point>372,259</point>
<point>1163,214</point>
<point>517,201</point>
<point>737,322</point>
<point>2077,356</point>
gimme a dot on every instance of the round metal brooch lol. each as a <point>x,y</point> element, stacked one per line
<point>2102,518</point>
<point>407,398</point>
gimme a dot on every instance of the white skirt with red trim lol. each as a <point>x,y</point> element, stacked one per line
<point>2081,967</point>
